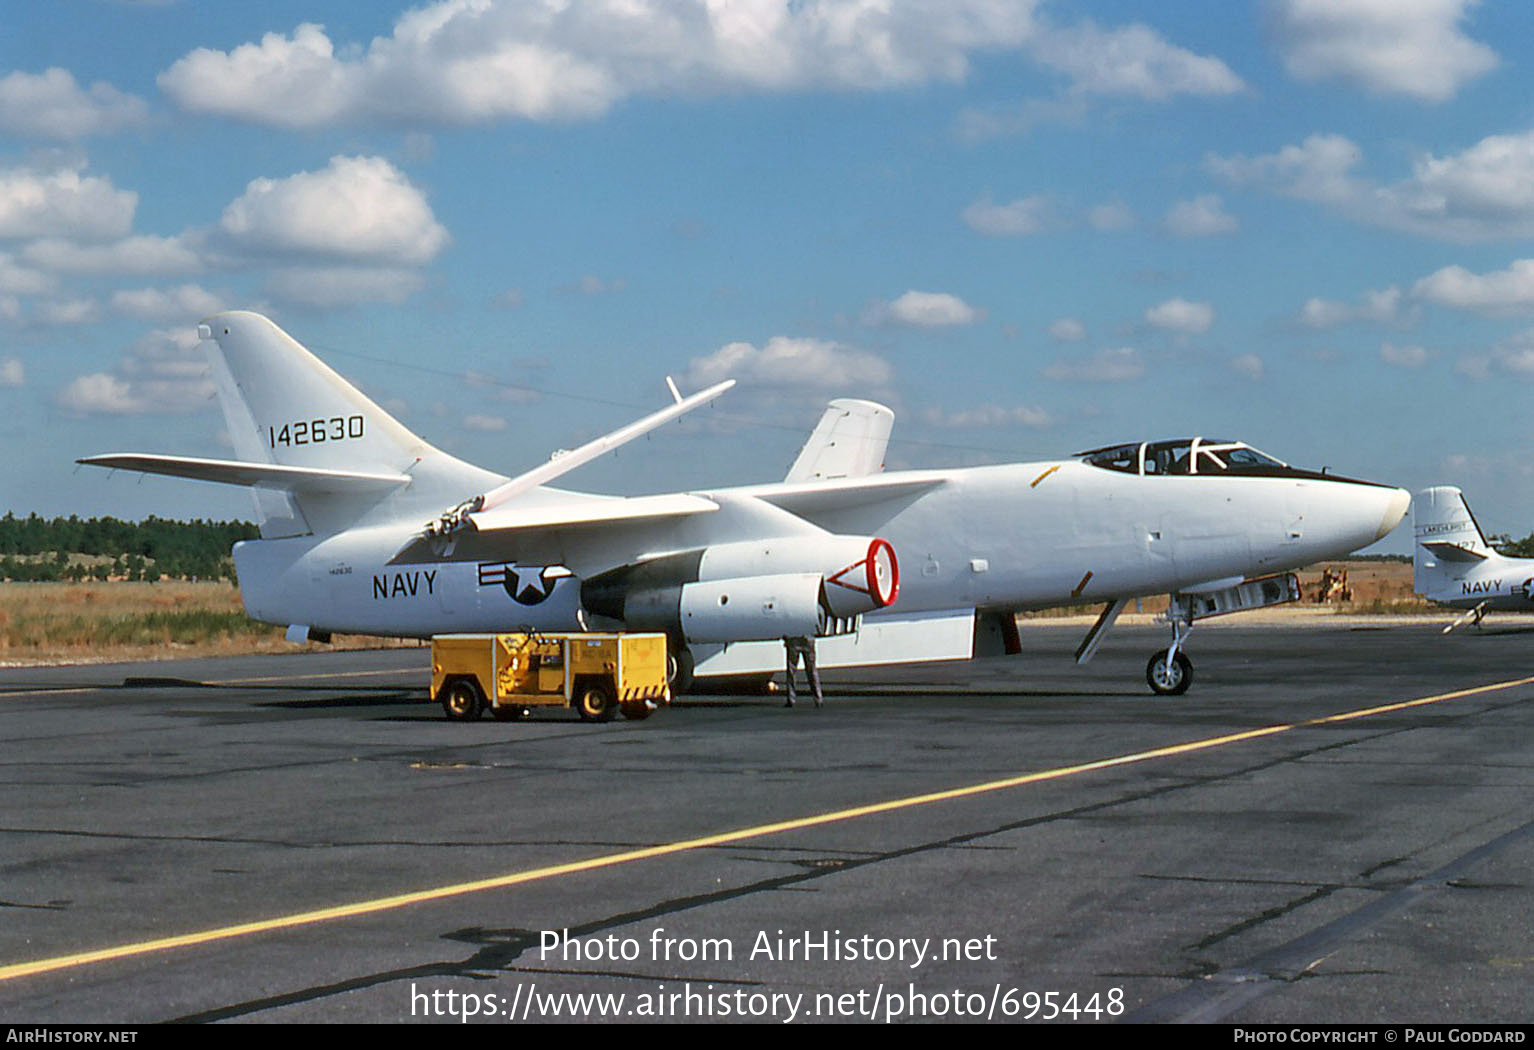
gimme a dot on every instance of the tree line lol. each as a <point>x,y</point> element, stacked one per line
<point>73,548</point>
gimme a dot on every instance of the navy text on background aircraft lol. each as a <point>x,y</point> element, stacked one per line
<point>366,528</point>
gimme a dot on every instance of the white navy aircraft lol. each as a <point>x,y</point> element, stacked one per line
<point>1453,565</point>
<point>366,528</point>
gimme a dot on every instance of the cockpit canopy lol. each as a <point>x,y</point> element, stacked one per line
<point>1201,456</point>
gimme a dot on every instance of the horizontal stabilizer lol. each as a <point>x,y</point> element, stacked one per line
<point>237,472</point>
<point>1454,552</point>
<point>493,533</point>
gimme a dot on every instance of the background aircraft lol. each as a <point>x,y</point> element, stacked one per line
<point>367,528</point>
<point>1452,563</point>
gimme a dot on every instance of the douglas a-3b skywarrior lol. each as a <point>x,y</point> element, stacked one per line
<point>366,528</point>
<point>1454,565</point>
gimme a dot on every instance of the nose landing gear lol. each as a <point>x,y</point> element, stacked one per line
<point>1170,672</point>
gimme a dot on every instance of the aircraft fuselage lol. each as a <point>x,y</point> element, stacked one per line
<point>1016,536</point>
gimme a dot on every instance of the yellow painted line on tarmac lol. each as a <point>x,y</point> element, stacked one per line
<point>405,900</point>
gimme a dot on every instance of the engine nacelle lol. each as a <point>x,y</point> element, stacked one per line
<point>752,608</point>
<point>860,573</point>
<point>752,590</point>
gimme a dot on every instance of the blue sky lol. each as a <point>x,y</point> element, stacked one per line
<point>1030,228</point>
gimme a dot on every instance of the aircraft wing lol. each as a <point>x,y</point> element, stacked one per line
<point>497,532</point>
<point>839,495</point>
<point>1454,552</point>
<point>237,472</point>
<point>565,462</point>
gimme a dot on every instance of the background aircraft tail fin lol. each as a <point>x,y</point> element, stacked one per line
<point>287,408</point>
<point>1448,540</point>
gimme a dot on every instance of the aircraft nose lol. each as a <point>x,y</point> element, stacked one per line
<point>1395,510</point>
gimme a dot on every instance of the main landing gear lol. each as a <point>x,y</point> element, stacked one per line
<point>1477,614</point>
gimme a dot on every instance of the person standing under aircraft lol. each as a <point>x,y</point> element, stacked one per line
<point>801,648</point>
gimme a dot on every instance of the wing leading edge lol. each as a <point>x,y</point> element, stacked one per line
<point>239,472</point>
<point>499,532</point>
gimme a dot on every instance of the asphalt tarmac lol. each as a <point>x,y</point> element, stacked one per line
<point>1336,824</point>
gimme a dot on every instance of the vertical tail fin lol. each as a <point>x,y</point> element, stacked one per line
<point>285,406</point>
<point>1448,540</point>
<point>848,442</point>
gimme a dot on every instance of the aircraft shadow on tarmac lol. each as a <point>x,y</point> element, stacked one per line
<point>391,697</point>
<point>1499,630</point>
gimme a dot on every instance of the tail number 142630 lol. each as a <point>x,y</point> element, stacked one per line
<point>315,431</point>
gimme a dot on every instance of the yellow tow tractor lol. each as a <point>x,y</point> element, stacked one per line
<point>508,674</point>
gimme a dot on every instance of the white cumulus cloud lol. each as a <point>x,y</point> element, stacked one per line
<point>1513,355</point>
<point>16,279</point>
<point>1318,169</point>
<point>1014,219</point>
<point>167,305</point>
<point>65,312</point>
<point>1381,306</point>
<point>1415,48</point>
<point>143,255</point>
<point>12,372</point>
<point>928,310</point>
<point>163,373</point>
<point>466,61</point>
<point>51,105</point>
<point>1132,61</point>
<point>1501,292</point>
<point>1203,216</point>
<point>785,361</point>
<point>63,203</point>
<point>357,208</point>
<point>1181,316</point>
<point>292,82</point>
<point>1485,192</point>
<point>1496,293</point>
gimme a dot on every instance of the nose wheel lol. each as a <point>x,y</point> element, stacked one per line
<point>1169,673</point>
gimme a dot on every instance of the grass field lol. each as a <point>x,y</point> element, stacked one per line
<point>95,622</point>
